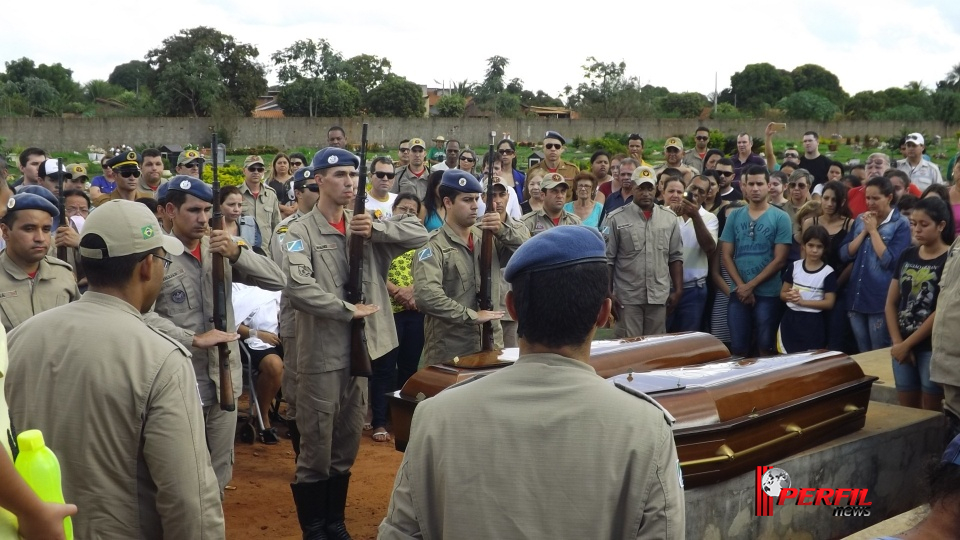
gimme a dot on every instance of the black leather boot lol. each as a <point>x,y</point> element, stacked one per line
<point>311,500</point>
<point>336,503</point>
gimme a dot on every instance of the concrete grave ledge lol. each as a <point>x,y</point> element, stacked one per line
<point>878,364</point>
<point>887,457</point>
<point>894,526</point>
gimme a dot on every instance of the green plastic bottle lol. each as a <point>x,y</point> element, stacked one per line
<point>39,467</point>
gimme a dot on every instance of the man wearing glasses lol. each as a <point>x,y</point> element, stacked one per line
<point>259,200</point>
<point>380,201</point>
<point>693,157</point>
<point>553,145</point>
<point>126,173</point>
<point>452,153</point>
<point>404,151</point>
<point>673,151</point>
<point>723,172</point>
<point>414,177</point>
<point>189,163</point>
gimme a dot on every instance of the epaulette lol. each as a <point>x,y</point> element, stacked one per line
<point>668,209</point>
<point>636,393</point>
<point>617,211</point>
<point>186,352</point>
<point>53,261</point>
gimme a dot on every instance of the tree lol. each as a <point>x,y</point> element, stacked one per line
<point>947,104</point>
<point>507,105</point>
<point>808,105</point>
<point>451,106</point>
<point>190,86</point>
<point>540,99</point>
<point>307,59</point>
<point>757,87</point>
<point>952,79</point>
<point>131,76</point>
<point>58,77</point>
<point>515,86</point>
<point>813,78</point>
<point>40,96</point>
<point>608,93</point>
<point>319,98</point>
<point>365,72</point>
<point>397,97</point>
<point>863,104</point>
<point>684,105</point>
<point>241,78</point>
<point>100,89</point>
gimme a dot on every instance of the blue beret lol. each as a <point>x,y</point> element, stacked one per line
<point>191,186</point>
<point>41,191</point>
<point>31,201</point>
<point>555,135</point>
<point>334,157</point>
<point>303,173</point>
<point>162,192</point>
<point>461,181</point>
<point>557,247</point>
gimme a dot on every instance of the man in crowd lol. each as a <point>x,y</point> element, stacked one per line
<point>635,149</point>
<point>331,402</point>
<point>553,145</point>
<point>259,200</point>
<point>151,171</point>
<point>645,255</point>
<point>724,174</point>
<point>437,153</point>
<point>126,172</point>
<point>698,232</point>
<point>755,244</point>
<point>744,157</point>
<point>414,178</point>
<point>185,305</point>
<point>446,271</point>
<point>31,281</point>
<point>624,195</point>
<point>336,137</point>
<point>147,468</point>
<point>305,191</point>
<point>30,160</point>
<point>626,482</point>
<point>922,173</point>
<point>404,150</point>
<point>380,199</point>
<point>693,157</point>
<point>452,153</point>
<point>78,176</point>
<point>552,213</point>
<point>673,151</point>
<point>812,160</point>
<point>50,173</point>
<point>189,163</point>
<point>877,164</point>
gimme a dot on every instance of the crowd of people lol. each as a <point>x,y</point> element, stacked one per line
<point>769,255</point>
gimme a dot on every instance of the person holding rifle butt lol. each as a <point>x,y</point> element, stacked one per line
<point>331,403</point>
<point>446,272</point>
<point>185,305</point>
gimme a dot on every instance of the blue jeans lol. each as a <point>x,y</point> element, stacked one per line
<point>759,322</point>
<point>916,378</point>
<point>870,330</point>
<point>688,315</point>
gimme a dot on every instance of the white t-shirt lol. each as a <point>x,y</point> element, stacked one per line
<point>385,207</point>
<point>696,263</point>
<point>513,204</point>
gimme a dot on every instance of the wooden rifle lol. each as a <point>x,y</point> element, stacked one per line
<point>359,355</point>
<point>227,399</point>
<point>485,296</point>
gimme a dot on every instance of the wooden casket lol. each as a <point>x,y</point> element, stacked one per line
<point>608,358</point>
<point>733,416</point>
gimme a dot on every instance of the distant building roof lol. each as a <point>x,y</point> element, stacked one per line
<point>551,112</point>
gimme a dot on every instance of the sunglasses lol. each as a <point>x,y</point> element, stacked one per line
<point>296,164</point>
<point>553,146</point>
<point>468,159</point>
<point>381,175</point>
<point>256,169</point>
<point>797,186</point>
<point>315,188</point>
<point>191,165</point>
<point>725,174</point>
<point>702,138</point>
<point>128,174</point>
<point>506,152</point>
<point>403,150</point>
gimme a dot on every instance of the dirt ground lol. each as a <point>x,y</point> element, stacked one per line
<point>262,506</point>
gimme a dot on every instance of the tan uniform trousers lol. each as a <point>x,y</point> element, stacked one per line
<point>288,382</point>
<point>331,407</point>
<point>221,428</point>
<point>642,320</point>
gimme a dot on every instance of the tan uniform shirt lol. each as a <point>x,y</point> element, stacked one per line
<point>119,408</point>
<point>446,280</point>
<point>185,307</point>
<point>407,182</point>
<point>641,251</point>
<point>116,194</point>
<point>143,186</point>
<point>265,209</point>
<point>22,297</point>
<point>566,169</point>
<point>538,221</point>
<point>316,265</point>
<point>945,364</point>
<point>550,450</point>
<point>288,321</point>
<point>692,159</point>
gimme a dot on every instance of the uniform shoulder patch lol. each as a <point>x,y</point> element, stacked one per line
<point>424,254</point>
<point>294,246</point>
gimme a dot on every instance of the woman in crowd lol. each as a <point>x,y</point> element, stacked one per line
<point>711,158</point>
<point>467,161</point>
<point>613,184</point>
<point>600,168</point>
<point>777,182</point>
<point>955,196</point>
<point>533,195</point>
<point>712,201</point>
<point>874,244</point>
<point>588,210</point>
<point>278,178</point>
<point>103,184</point>
<point>835,219</point>
<point>912,303</point>
<point>798,193</point>
<point>234,222</point>
<point>434,212</point>
<point>508,166</point>
<point>391,371</point>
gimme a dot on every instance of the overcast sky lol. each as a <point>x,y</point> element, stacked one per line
<point>869,45</point>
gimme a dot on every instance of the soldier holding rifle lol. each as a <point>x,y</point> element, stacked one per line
<point>331,402</point>
<point>186,306</point>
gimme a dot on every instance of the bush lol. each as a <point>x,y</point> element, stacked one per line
<point>613,146</point>
<point>228,175</point>
<point>717,139</point>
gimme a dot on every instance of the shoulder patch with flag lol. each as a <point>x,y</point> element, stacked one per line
<point>425,254</point>
<point>295,246</point>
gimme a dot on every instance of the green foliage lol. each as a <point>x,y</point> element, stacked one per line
<point>508,105</point>
<point>540,99</point>
<point>608,93</point>
<point>903,113</point>
<point>685,104</point>
<point>365,72</point>
<point>717,139</point>
<point>132,76</point>
<point>613,146</point>
<point>319,98</point>
<point>758,86</point>
<point>492,85</point>
<point>397,97</point>
<point>816,79</point>
<point>240,78</point>
<point>100,89</point>
<point>451,106</point>
<point>947,105</point>
<point>228,175</point>
<point>40,96</point>
<point>726,111</point>
<point>307,59</point>
<point>807,105</point>
<point>863,104</point>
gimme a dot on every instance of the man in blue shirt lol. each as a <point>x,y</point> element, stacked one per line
<point>625,194</point>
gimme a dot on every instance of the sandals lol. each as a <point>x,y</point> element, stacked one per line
<point>380,435</point>
<point>269,436</point>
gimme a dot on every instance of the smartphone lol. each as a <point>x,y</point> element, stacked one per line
<point>688,195</point>
<point>779,126</point>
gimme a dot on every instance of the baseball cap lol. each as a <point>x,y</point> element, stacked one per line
<point>77,170</point>
<point>497,183</point>
<point>49,168</point>
<point>915,138</point>
<point>674,142</point>
<point>126,227</point>
<point>552,180</point>
<point>417,142</point>
<point>644,175</point>
<point>188,156</point>
<point>252,160</point>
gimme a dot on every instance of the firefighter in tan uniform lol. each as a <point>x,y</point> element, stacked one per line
<point>30,280</point>
<point>259,200</point>
<point>553,146</point>
<point>446,272</point>
<point>552,214</point>
<point>330,402</point>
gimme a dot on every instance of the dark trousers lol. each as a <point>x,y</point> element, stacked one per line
<point>393,369</point>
